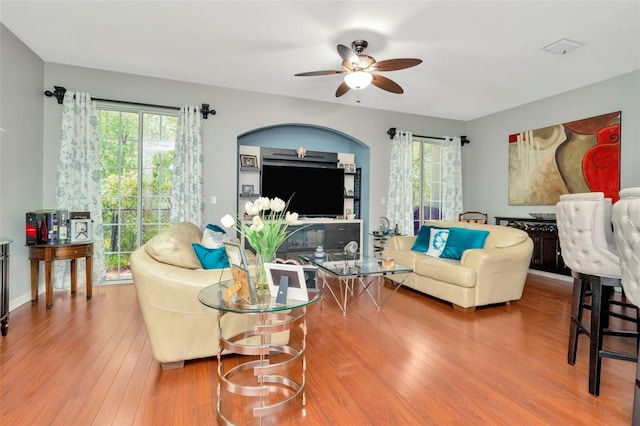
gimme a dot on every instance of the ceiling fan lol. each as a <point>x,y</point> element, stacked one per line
<point>358,68</point>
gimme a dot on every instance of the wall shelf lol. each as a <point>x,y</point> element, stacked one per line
<point>280,156</point>
<point>250,169</point>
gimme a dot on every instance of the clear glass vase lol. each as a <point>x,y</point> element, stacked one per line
<point>261,282</point>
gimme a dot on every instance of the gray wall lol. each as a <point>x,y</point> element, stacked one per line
<point>21,156</point>
<point>485,160</point>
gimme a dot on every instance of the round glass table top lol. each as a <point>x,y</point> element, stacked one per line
<point>214,297</point>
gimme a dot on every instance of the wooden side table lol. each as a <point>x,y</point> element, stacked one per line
<point>52,252</point>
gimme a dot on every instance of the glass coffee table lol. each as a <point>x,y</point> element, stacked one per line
<point>351,272</point>
<point>272,375</point>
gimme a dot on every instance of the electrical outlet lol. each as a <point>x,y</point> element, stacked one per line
<point>213,199</point>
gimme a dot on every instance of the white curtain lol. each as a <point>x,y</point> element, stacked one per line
<point>187,189</point>
<point>451,178</point>
<point>400,196</point>
<point>78,179</point>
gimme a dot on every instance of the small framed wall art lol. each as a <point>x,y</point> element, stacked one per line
<point>248,161</point>
<point>247,189</point>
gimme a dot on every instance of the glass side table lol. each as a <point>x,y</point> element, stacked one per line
<point>272,375</point>
<point>363,270</point>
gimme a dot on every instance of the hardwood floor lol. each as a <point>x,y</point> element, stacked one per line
<point>415,362</point>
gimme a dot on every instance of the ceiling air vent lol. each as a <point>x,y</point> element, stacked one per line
<point>561,46</point>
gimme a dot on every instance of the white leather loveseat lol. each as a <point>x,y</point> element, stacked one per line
<point>493,274</point>
<point>168,277</point>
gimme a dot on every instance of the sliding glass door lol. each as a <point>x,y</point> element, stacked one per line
<point>137,149</point>
<point>427,181</point>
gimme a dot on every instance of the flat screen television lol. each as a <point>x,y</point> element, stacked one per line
<point>313,191</point>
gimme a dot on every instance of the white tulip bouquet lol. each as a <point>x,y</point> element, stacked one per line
<point>267,230</point>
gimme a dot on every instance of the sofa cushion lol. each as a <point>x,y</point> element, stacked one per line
<point>461,239</point>
<point>446,270</point>
<point>214,236</point>
<point>211,258</point>
<point>437,242</point>
<point>404,257</point>
<point>503,238</point>
<point>173,246</point>
<point>421,243</point>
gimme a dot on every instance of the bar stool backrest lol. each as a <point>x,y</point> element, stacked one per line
<point>626,230</point>
<point>586,235</point>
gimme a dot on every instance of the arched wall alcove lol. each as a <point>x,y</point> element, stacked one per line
<point>316,138</point>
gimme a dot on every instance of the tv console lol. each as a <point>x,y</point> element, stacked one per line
<point>331,234</point>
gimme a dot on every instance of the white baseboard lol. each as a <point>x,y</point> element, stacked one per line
<point>26,298</point>
<point>558,277</point>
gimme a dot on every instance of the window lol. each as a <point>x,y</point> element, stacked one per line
<point>427,181</point>
<point>137,149</point>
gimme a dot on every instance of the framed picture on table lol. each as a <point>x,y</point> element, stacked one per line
<point>240,270</point>
<point>80,230</point>
<point>292,275</point>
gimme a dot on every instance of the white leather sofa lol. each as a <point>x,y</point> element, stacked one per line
<point>493,274</point>
<point>168,277</point>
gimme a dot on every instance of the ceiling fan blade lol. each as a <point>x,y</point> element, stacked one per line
<point>314,73</point>
<point>386,84</point>
<point>342,89</point>
<point>395,64</point>
<point>348,55</point>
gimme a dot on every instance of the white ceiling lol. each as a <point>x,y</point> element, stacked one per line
<point>480,57</point>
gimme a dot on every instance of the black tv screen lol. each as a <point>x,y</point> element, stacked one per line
<point>313,191</point>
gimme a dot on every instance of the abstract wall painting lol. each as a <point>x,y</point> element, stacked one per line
<point>568,158</point>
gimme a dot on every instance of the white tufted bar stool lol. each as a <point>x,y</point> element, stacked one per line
<point>626,230</point>
<point>589,250</point>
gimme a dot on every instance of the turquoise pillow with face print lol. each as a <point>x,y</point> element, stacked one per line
<point>437,242</point>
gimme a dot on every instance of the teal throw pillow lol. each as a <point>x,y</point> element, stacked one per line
<point>211,258</point>
<point>421,243</point>
<point>461,239</point>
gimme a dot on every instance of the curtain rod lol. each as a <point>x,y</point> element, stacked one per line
<point>59,92</point>
<point>463,139</point>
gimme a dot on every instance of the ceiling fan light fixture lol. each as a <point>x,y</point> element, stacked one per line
<point>358,79</point>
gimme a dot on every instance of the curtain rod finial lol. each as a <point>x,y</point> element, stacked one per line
<point>464,140</point>
<point>206,111</point>
<point>391,132</point>
<point>58,93</point>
